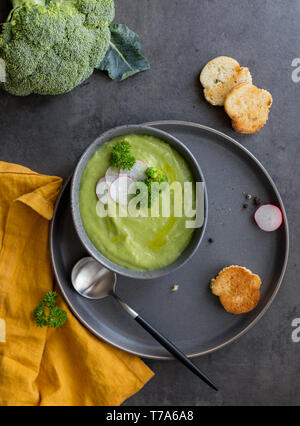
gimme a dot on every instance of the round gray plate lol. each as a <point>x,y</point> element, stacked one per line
<point>192,317</point>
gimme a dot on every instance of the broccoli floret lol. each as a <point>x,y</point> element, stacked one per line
<point>121,156</point>
<point>97,13</point>
<point>154,176</point>
<point>51,46</point>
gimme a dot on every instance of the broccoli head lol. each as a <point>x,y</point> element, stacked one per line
<point>51,46</point>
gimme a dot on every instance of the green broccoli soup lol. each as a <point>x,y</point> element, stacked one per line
<point>137,243</point>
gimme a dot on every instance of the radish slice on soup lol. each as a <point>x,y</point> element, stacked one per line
<point>137,172</point>
<point>112,173</point>
<point>102,190</point>
<point>119,189</point>
<point>268,218</point>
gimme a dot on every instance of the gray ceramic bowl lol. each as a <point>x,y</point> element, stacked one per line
<point>198,177</point>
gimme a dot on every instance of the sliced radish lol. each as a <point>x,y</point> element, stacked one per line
<point>138,171</point>
<point>112,173</point>
<point>268,218</point>
<point>102,190</point>
<point>119,189</point>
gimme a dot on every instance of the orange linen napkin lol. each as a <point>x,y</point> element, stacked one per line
<point>66,366</point>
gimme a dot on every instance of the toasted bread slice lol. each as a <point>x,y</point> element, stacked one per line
<point>248,107</point>
<point>238,289</point>
<point>220,76</point>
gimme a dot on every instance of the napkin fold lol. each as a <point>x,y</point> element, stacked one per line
<point>40,366</point>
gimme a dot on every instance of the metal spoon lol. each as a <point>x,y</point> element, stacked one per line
<point>91,280</point>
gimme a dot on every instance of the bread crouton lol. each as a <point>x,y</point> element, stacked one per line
<point>238,289</point>
<point>220,76</point>
<point>248,107</point>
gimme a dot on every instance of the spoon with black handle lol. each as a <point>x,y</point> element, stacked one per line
<point>91,280</point>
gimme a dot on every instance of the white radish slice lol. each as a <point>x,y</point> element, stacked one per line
<point>268,218</point>
<point>137,172</point>
<point>112,173</point>
<point>119,189</point>
<point>102,190</point>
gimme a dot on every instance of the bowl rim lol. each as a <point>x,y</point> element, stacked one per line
<point>87,154</point>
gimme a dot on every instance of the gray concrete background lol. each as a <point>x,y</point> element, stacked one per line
<point>49,133</point>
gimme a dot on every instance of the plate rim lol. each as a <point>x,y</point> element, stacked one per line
<point>276,288</point>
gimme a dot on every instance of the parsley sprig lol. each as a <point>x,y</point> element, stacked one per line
<point>121,156</point>
<point>47,314</point>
